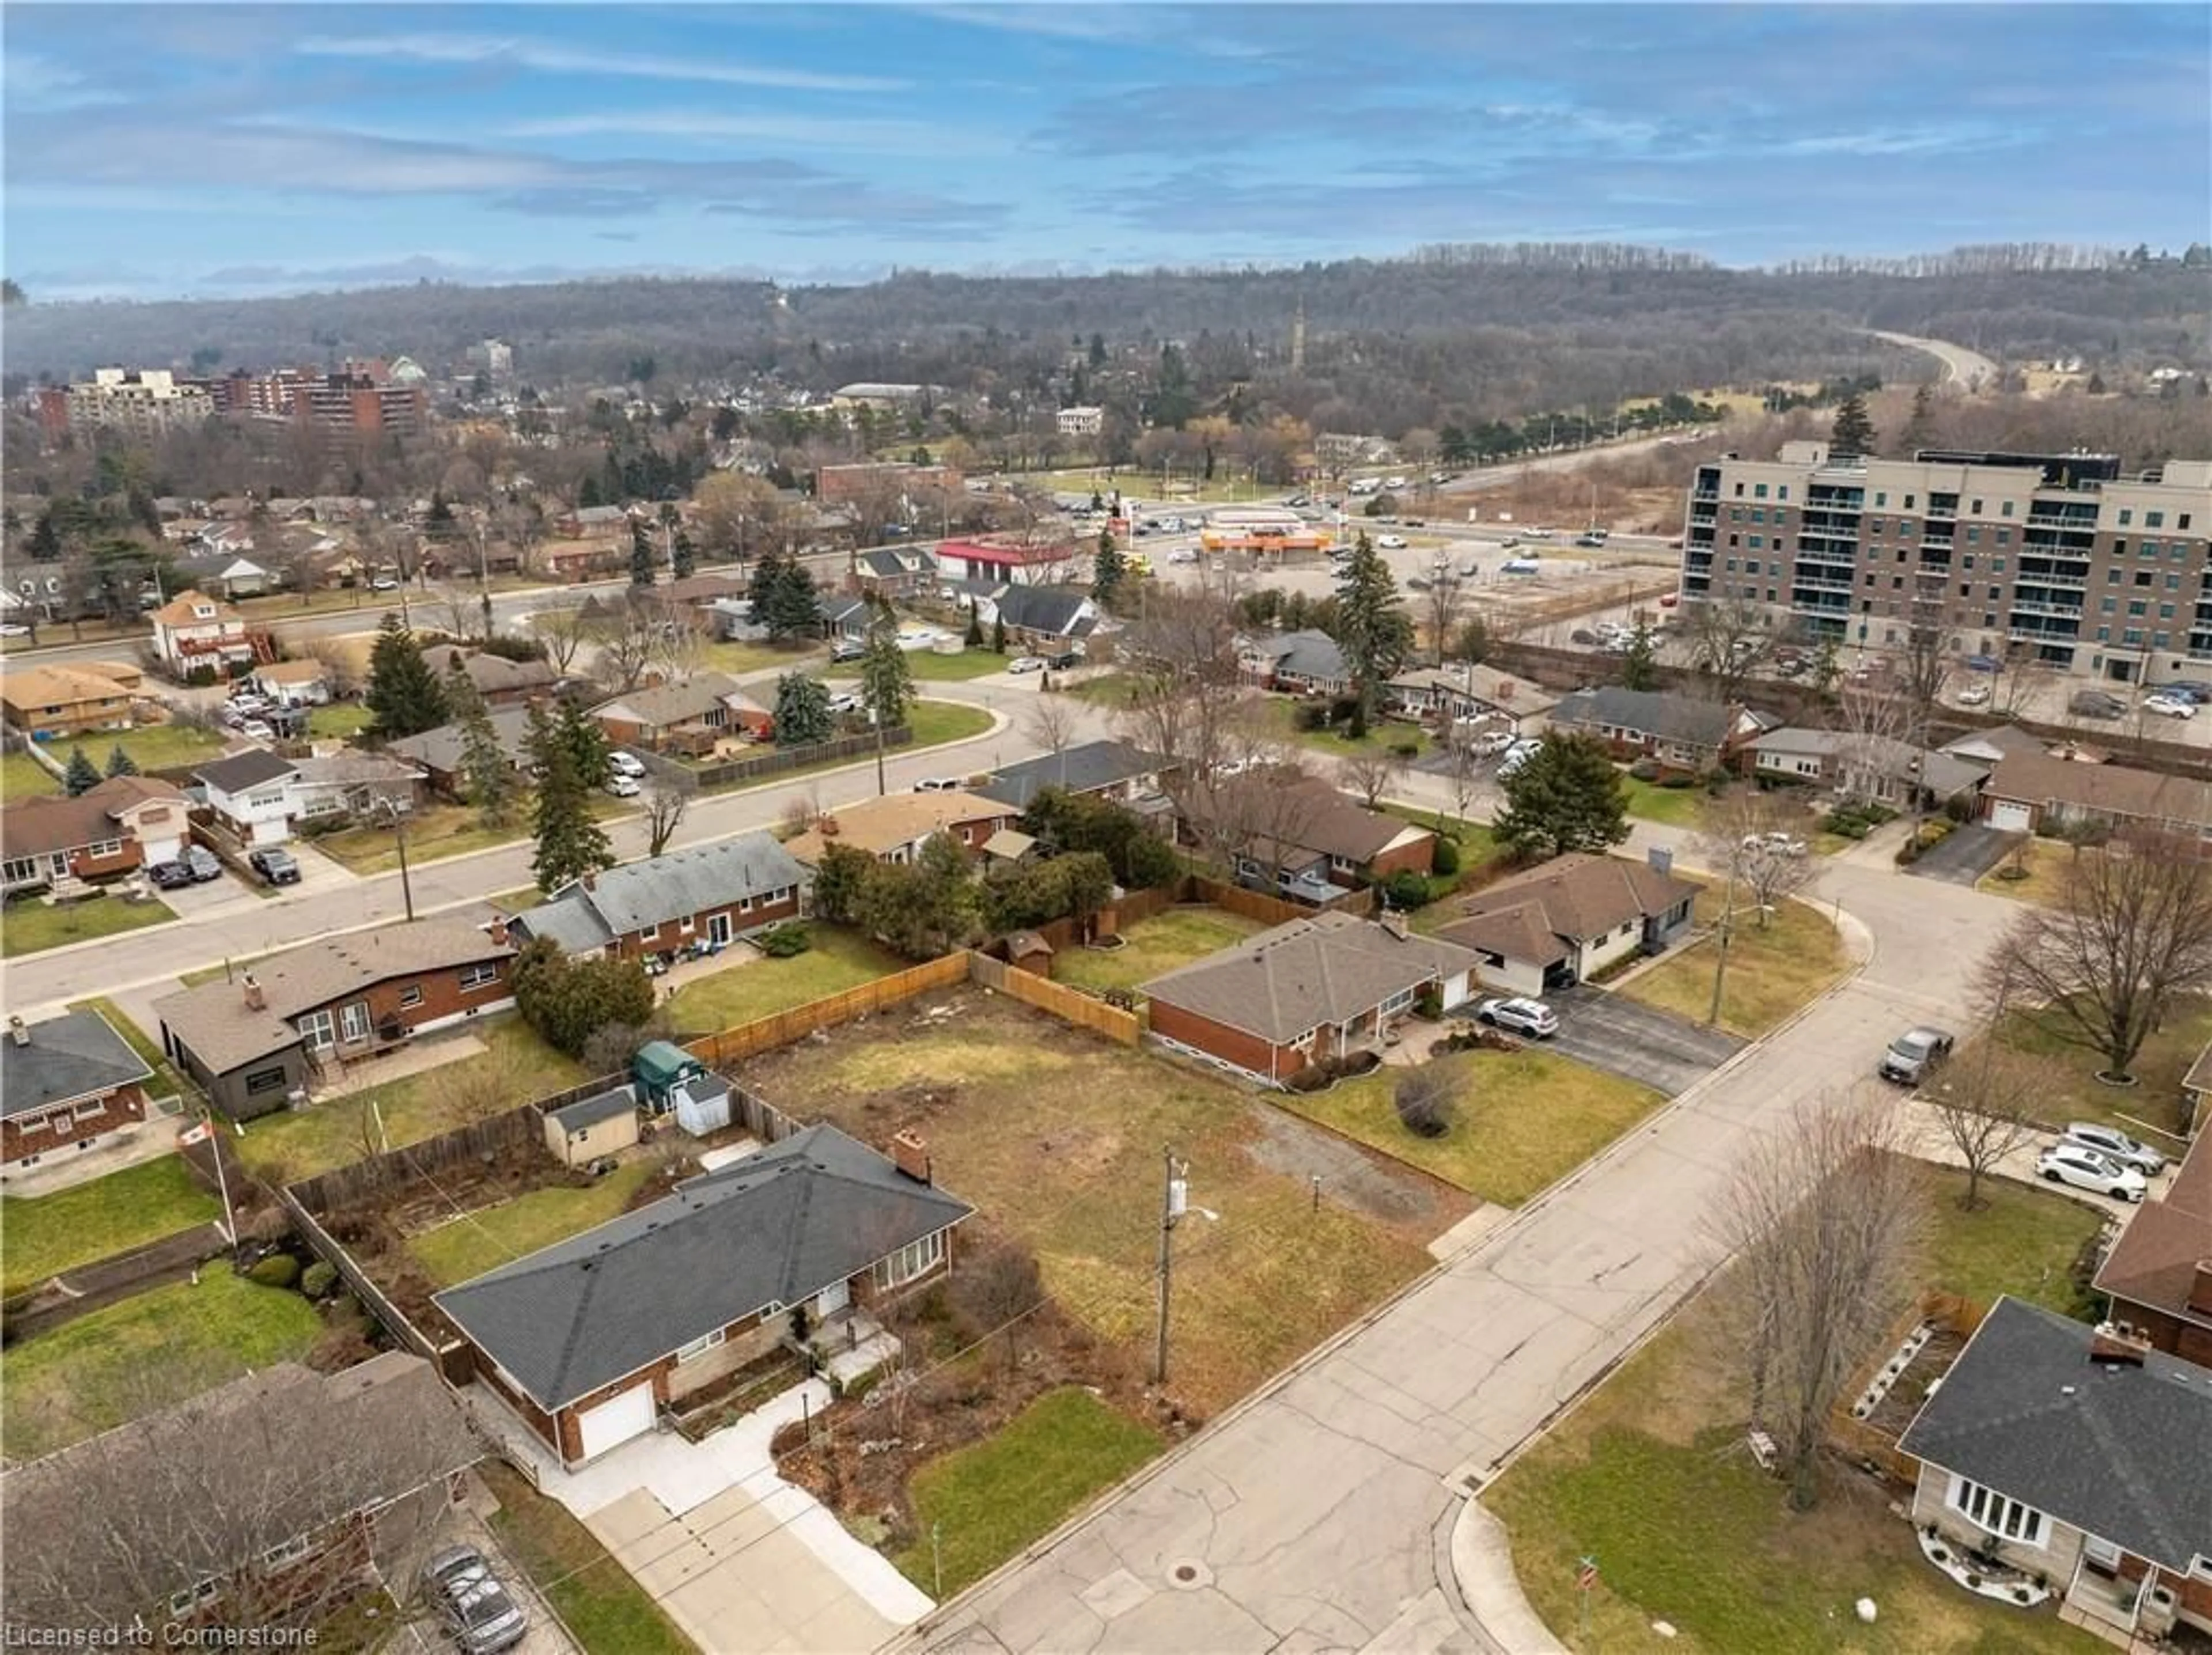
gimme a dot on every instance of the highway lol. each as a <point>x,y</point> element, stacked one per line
<point>1961,367</point>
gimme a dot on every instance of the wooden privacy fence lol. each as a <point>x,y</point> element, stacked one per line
<point>347,1186</point>
<point>1272,910</point>
<point>372,1297</point>
<point>791,758</point>
<point>1069,1005</point>
<point>1874,1443</point>
<point>766,1033</point>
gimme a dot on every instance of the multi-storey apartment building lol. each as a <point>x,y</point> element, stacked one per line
<point>2055,559</point>
<point>140,402</point>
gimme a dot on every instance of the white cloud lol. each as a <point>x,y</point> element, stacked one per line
<point>31,82</point>
<point>814,131</point>
<point>554,59</point>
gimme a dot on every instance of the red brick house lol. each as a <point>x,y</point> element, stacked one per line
<point>708,896</point>
<point>126,822</point>
<point>66,1083</point>
<point>2158,1274</point>
<point>893,829</point>
<point>689,716</point>
<point>588,1340</point>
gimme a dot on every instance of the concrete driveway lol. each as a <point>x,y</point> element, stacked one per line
<point>1651,1046</point>
<point>1966,854</point>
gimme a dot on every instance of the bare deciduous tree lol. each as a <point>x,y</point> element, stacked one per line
<point>1726,637</point>
<point>997,1290</point>
<point>1442,607</point>
<point>1874,721</point>
<point>1823,1218</point>
<point>1986,1110</point>
<point>665,804</point>
<point>1755,835</point>
<point>339,676</point>
<point>1052,723</point>
<point>563,632</point>
<point>1372,773</point>
<point>1426,1097</point>
<point>626,640</point>
<point>2132,930</point>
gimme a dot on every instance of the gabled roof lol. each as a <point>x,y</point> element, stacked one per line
<point>253,768</point>
<point>1649,712</point>
<point>1577,896</point>
<point>876,825</point>
<point>1945,773</point>
<point>353,769</point>
<point>491,674</point>
<point>444,748</point>
<point>890,563</point>
<point>590,1111</point>
<point>2155,1260</point>
<point>1084,769</point>
<point>2116,1450</point>
<point>638,896</point>
<point>1307,654</point>
<point>2102,790</point>
<point>76,1055</point>
<point>47,823</point>
<point>774,1228</point>
<point>1051,608</point>
<point>1999,741</point>
<point>675,704</point>
<point>62,684</point>
<point>1329,969</point>
<point>182,610</point>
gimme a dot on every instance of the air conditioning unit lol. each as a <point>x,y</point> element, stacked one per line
<point>2161,1606</point>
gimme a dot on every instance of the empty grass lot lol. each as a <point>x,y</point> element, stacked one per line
<point>997,1496</point>
<point>339,722</point>
<point>299,1143</point>
<point>603,1606</point>
<point>761,987</point>
<point>739,658</point>
<point>468,1246</point>
<point>28,925</point>
<point>22,776</point>
<point>1056,1134</point>
<point>1676,806</point>
<point>2070,1089</point>
<point>438,831</point>
<point>1771,972</point>
<point>1154,946</point>
<point>1523,1120</point>
<point>46,1235</point>
<point>151,746</point>
<point>1649,1476</point>
<point>148,1352</point>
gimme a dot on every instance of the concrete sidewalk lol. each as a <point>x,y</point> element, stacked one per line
<point>1482,1564</point>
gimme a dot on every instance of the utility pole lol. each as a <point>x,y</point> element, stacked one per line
<point>1727,930</point>
<point>1173,1193</point>
<point>876,718</point>
<point>406,883</point>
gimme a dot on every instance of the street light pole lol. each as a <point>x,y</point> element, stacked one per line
<point>407,882</point>
<point>1170,1204</point>
<point>1727,930</point>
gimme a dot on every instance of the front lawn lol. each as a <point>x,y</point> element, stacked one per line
<point>1382,735</point>
<point>1152,946</point>
<point>936,723</point>
<point>150,1352</point>
<point>45,1235</point>
<point>28,925</point>
<point>466,1248</point>
<point>2046,863</point>
<point>2070,1089</point>
<point>1650,1477</point>
<point>296,1144</point>
<point>989,1500</point>
<point>1111,691</point>
<point>438,831</point>
<point>737,659</point>
<point>930,667</point>
<point>761,987</point>
<point>1523,1120</point>
<point>151,746</point>
<point>340,721</point>
<point>1676,806</point>
<point>598,1599</point>
<point>1773,971</point>
<point>22,776</point>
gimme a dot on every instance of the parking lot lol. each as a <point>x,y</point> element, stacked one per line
<point>1637,1042</point>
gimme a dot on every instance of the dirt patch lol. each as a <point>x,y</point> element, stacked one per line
<point>1356,1178</point>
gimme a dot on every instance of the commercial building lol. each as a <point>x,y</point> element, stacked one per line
<point>2055,560</point>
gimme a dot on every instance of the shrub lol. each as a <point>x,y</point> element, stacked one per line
<point>1310,715</point>
<point>278,1270</point>
<point>1429,1003</point>
<point>1406,749</point>
<point>1447,857</point>
<point>318,1278</point>
<point>1676,781</point>
<point>1423,1097</point>
<point>782,941</point>
<point>1645,769</point>
<point>1342,709</point>
<point>1407,890</point>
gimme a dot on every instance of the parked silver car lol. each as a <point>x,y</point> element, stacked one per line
<point>1530,1017</point>
<point>2111,1142</point>
<point>473,1602</point>
<point>1914,1054</point>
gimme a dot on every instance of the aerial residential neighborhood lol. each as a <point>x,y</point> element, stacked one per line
<point>936,831</point>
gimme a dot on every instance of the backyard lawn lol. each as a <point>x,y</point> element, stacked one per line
<point>340,721</point>
<point>1382,734</point>
<point>28,925</point>
<point>998,1495</point>
<point>1649,1476</point>
<point>151,746</point>
<point>2071,1091</point>
<point>44,1235</point>
<point>1523,1120</point>
<point>761,987</point>
<point>602,1604</point>
<point>1056,1134</point>
<point>739,658</point>
<point>150,1352</point>
<point>1676,806</point>
<point>468,1246</point>
<point>1159,944</point>
<point>1771,971</point>
<point>299,1143</point>
<point>22,776</point>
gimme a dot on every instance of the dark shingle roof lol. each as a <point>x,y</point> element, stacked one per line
<point>76,1055</point>
<point>445,748</point>
<point>1085,768</point>
<point>639,895</point>
<point>1648,712</point>
<point>590,1111</point>
<point>1041,608</point>
<point>242,770</point>
<point>2113,1449</point>
<point>774,1228</point>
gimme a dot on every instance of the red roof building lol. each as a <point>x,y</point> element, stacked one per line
<point>1003,557</point>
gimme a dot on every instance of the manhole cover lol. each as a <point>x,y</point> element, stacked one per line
<point>1189,1576</point>
<point>1185,1573</point>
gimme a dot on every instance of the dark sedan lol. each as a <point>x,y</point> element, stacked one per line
<point>276,865</point>
<point>169,876</point>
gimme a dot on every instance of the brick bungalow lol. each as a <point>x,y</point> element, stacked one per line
<point>713,894</point>
<point>2039,791</point>
<point>689,717</point>
<point>588,1340</point>
<point>65,1083</point>
<point>1305,991</point>
<point>441,754</point>
<point>1569,919</point>
<point>893,829</point>
<point>500,682</point>
<point>1680,733</point>
<point>126,822</point>
<point>2158,1274</point>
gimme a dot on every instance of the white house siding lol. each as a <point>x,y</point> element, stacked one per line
<point>1510,976</point>
<point>1616,944</point>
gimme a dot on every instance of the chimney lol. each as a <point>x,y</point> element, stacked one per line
<point>18,1031</point>
<point>591,880</point>
<point>1394,923</point>
<point>498,931</point>
<point>826,826</point>
<point>255,1000</point>
<point>2200,1288</point>
<point>2115,1344</point>
<point>1662,860</point>
<point>910,1155</point>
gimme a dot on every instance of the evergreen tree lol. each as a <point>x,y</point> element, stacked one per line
<point>570,844</point>
<point>999,634</point>
<point>839,882</point>
<point>45,542</point>
<point>1640,667</point>
<point>403,696</point>
<point>83,774</point>
<point>641,558</point>
<point>886,679</point>
<point>1853,431</point>
<point>585,739</point>
<point>1920,426</point>
<point>588,495</point>
<point>683,558</point>
<point>973,638</point>
<point>923,908</point>
<point>802,711</point>
<point>783,597</point>
<point>1371,629</point>
<point>1565,796</point>
<point>490,781</point>
<point>1108,569</point>
<point>120,762</point>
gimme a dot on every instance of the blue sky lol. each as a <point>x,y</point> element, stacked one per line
<point>231,149</point>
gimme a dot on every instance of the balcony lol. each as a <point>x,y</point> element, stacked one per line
<point>1704,494</point>
<point>2049,519</point>
<point>1803,584</point>
<point>2068,633</point>
<point>2061,582</point>
<point>2026,607</point>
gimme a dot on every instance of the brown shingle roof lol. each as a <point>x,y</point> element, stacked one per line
<point>1521,931</point>
<point>2155,1259</point>
<point>65,685</point>
<point>2104,789</point>
<point>1581,897</point>
<point>40,826</point>
<point>181,611</point>
<point>876,825</point>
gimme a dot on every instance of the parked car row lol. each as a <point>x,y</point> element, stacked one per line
<point>2102,1159</point>
<point>197,866</point>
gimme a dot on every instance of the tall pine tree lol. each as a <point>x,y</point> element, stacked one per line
<point>83,774</point>
<point>1371,629</point>
<point>403,696</point>
<point>489,777</point>
<point>643,565</point>
<point>802,711</point>
<point>1920,425</point>
<point>886,679</point>
<point>120,762</point>
<point>570,844</point>
<point>1853,431</point>
<point>683,558</point>
<point>1108,566</point>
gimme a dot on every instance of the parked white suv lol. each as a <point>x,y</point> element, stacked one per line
<point>1529,1017</point>
<point>622,764</point>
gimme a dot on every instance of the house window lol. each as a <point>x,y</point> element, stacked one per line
<point>2000,1515</point>
<point>264,1081</point>
<point>915,1258</point>
<point>90,1111</point>
<point>319,1030</point>
<point>191,1598</point>
<point>105,848</point>
<point>700,1346</point>
<point>1397,1002</point>
<point>744,905</point>
<point>20,869</point>
<point>290,1552</point>
<point>410,997</point>
<point>479,977</point>
<point>353,1021</point>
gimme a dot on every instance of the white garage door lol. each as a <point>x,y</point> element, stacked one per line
<point>615,1421</point>
<point>2008,818</point>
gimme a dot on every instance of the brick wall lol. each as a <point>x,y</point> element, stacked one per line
<point>671,934</point>
<point>1420,857</point>
<point>126,1107</point>
<point>1247,1051</point>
